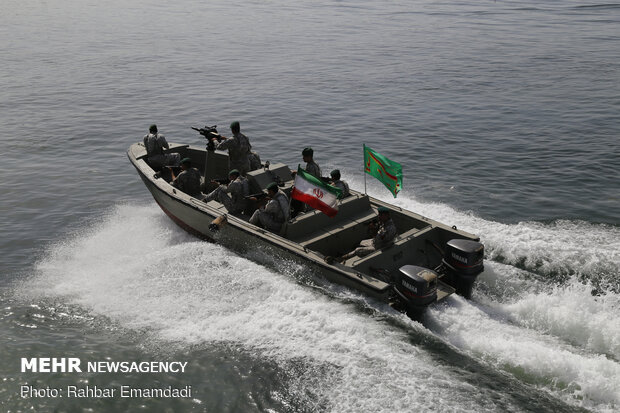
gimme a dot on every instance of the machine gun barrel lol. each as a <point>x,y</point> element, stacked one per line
<point>210,133</point>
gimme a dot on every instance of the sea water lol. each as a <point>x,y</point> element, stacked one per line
<point>504,115</point>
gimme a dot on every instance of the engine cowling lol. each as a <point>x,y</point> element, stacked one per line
<point>416,286</point>
<point>463,260</point>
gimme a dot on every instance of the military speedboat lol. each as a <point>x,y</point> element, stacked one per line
<point>425,263</point>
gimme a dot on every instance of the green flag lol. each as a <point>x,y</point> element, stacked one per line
<point>388,172</point>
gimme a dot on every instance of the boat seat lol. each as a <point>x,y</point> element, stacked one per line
<point>341,227</point>
<point>396,252</point>
<point>312,221</point>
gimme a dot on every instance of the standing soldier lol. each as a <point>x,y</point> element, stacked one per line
<point>155,143</point>
<point>335,174</point>
<point>188,180</point>
<point>311,167</point>
<point>238,149</point>
<point>238,189</point>
<point>275,213</point>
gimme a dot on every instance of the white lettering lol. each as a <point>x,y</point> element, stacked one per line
<point>29,391</point>
<point>410,286</point>
<point>90,392</point>
<point>459,258</point>
<point>51,365</point>
<point>29,365</point>
<point>58,365</point>
<point>44,365</point>
<point>112,366</point>
<point>74,365</point>
<point>137,367</point>
<point>166,392</point>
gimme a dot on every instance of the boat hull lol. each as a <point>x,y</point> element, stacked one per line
<point>195,217</point>
<point>312,238</point>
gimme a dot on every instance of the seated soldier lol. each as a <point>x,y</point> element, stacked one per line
<point>155,143</point>
<point>188,180</point>
<point>384,236</point>
<point>238,189</point>
<point>254,160</point>
<point>342,185</point>
<point>275,213</point>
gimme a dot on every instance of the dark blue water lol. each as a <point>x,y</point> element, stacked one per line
<point>504,115</point>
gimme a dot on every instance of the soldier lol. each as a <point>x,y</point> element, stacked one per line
<point>188,180</point>
<point>385,234</point>
<point>155,143</point>
<point>275,213</point>
<point>254,160</point>
<point>238,189</point>
<point>335,174</point>
<point>238,149</point>
<point>311,167</point>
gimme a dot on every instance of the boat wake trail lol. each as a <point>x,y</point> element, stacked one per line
<point>555,251</point>
<point>537,349</point>
<point>545,308</point>
<point>135,268</point>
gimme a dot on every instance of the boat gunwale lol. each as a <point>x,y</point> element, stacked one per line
<point>271,238</point>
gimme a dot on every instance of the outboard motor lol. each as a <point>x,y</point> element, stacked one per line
<point>416,286</point>
<point>463,261</point>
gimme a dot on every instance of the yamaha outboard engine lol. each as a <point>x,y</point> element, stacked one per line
<point>463,261</point>
<point>416,286</point>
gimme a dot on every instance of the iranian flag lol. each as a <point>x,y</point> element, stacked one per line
<point>314,192</point>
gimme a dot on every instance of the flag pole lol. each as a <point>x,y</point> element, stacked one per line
<point>285,229</point>
<point>364,170</point>
<point>290,201</point>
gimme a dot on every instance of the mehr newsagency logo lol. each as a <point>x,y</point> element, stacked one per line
<point>75,365</point>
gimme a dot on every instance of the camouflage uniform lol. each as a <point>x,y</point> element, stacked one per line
<point>188,181</point>
<point>235,202</point>
<point>342,185</point>
<point>155,145</point>
<point>386,234</point>
<point>254,160</point>
<point>313,169</point>
<point>238,151</point>
<point>275,213</point>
